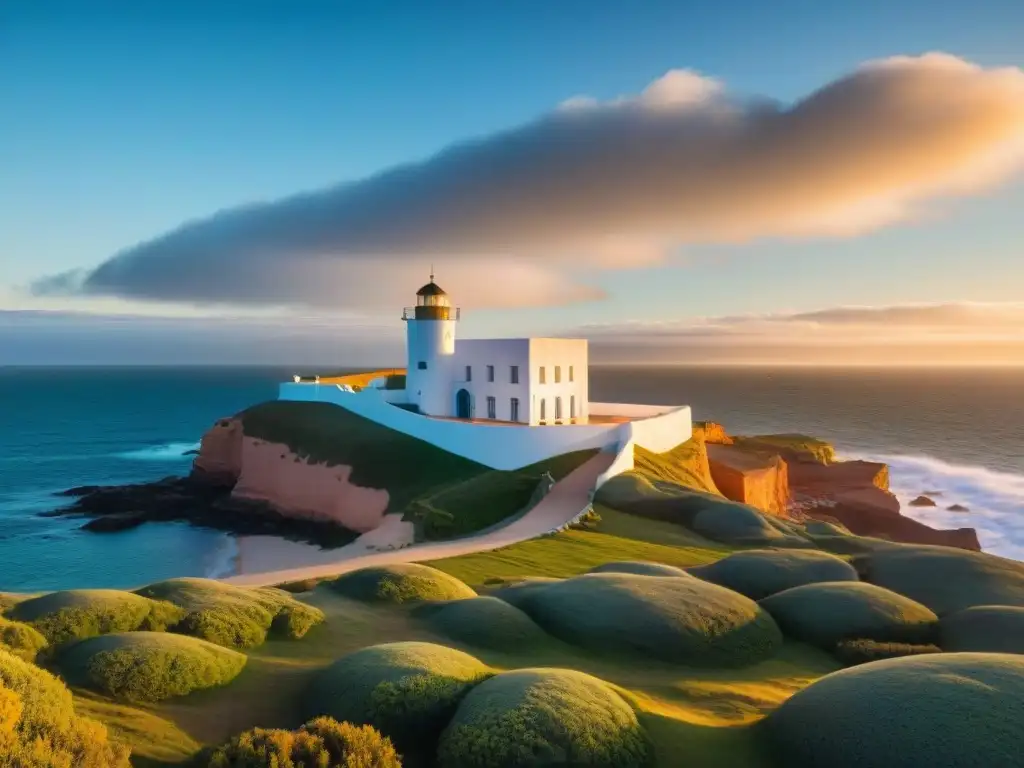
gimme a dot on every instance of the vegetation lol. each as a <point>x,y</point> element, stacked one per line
<point>80,613</point>
<point>320,742</point>
<point>639,568</point>
<point>400,583</point>
<point>685,465</point>
<point>852,652</point>
<point>823,614</point>
<point>758,573</point>
<point>934,710</point>
<point>484,622</point>
<point>20,639</point>
<point>681,620</point>
<point>991,628</point>
<point>149,666</point>
<point>800,446</point>
<point>544,717</point>
<point>408,691</point>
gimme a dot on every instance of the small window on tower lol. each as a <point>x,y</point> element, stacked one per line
<point>422,365</point>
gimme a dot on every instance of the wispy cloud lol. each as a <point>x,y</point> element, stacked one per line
<point>606,184</point>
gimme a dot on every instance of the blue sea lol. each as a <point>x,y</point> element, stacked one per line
<point>958,432</point>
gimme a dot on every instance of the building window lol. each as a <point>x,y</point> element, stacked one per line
<point>570,373</point>
<point>515,409</point>
<point>492,408</point>
<point>515,374</point>
<point>490,373</point>
<point>543,408</point>
<point>542,376</point>
<point>558,407</point>
<point>469,373</point>
<point>572,405</point>
<point>422,365</point>
<point>558,373</point>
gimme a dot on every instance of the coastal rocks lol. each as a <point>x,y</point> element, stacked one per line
<point>957,508</point>
<point>760,481</point>
<point>219,460</point>
<point>922,501</point>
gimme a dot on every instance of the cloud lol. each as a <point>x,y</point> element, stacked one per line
<point>604,184</point>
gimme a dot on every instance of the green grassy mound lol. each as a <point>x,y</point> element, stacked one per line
<point>149,666</point>
<point>235,617</point>
<point>400,583</point>
<point>544,717</point>
<point>76,614</point>
<point>686,465</point>
<point>943,578</point>
<point>518,592</point>
<point>639,568</point>
<point>954,710</point>
<point>320,742</point>
<point>681,620</point>
<point>485,622</point>
<point>792,446</point>
<point>851,652</point>
<point>20,639</point>
<point>758,573</point>
<point>991,628</point>
<point>823,614</point>
<point>39,725</point>
<point>408,691</point>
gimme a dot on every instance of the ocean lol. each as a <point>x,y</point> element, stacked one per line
<point>958,433</point>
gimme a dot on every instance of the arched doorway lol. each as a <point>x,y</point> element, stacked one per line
<point>462,410</point>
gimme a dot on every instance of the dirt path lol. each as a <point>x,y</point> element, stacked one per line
<point>264,560</point>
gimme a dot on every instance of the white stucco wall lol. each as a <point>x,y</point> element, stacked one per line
<point>502,354</point>
<point>431,342</point>
<point>562,354</point>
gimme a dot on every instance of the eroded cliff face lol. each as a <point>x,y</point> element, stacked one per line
<point>272,473</point>
<point>760,481</point>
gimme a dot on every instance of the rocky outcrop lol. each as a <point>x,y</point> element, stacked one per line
<point>757,480</point>
<point>711,432</point>
<point>219,460</point>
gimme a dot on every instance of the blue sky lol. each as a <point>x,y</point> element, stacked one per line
<point>121,121</point>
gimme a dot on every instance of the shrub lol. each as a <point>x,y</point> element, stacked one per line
<point>149,666</point>
<point>320,742</point>
<point>852,652</point>
<point>758,573</point>
<point>991,628</point>
<point>20,639</point>
<point>685,620</point>
<point>400,583</point>
<point>544,717</point>
<point>408,691</point>
<point>519,592</point>
<point>639,568</point>
<point>940,710</point>
<point>39,726</point>
<point>823,614</point>
<point>486,622</point>
<point>80,613</point>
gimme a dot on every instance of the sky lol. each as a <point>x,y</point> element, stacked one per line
<point>799,182</point>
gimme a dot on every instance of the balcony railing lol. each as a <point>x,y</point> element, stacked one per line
<point>432,313</point>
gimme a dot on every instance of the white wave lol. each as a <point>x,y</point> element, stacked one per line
<point>225,559</point>
<point>166,452</point>
<point>995,499</point>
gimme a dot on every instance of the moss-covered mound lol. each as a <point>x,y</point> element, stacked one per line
<point>823,614</point>
<point>947,710</point>
<point>39,725</point>
<point>639,568</point>
<point>149,666</point>
<point>76,614</point>
<point>991,628</point>
<point>759,573</point>
<point>235,617</point>
<point>851,652</point>
<point>683,620</point>
<point>485,622</point>
<point>544,717</point>
<point>686,465</point>
<point>943,578</point>
<point>20,639</point>
<point>320,742</point>
<point>408,691</point>
<point>400,583</point>
<point>792,446</point>
<point>517,593</point>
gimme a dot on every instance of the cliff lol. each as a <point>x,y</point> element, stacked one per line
<point>757,480</point>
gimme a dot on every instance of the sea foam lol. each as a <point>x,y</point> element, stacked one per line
<point>165,452</point>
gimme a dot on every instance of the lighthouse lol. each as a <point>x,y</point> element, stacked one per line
<point>430,346</point>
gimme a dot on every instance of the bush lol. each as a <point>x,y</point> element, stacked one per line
<point>991,628</point>
<point>945,710</point>
<point>943,578</point>
<point>639,568</point>
<point>408,691</point>
<point>823,614</point>
<point>485,622</point>
<point>684,620</point>
<point>20,639</point>
<point>400,583</point>
<point>544,717</point>
<point>149,666</point>
<point>320,742</point>
<point>853,652</point>
<point>80,613</point>
<point>758,573</point>
<point>519,592</point>
<point>39,726</point>
<point>235,617</point>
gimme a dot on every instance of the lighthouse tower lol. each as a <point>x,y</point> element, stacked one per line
<point>430,345</point>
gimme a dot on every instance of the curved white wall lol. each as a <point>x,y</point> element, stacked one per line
<point>431,342</point>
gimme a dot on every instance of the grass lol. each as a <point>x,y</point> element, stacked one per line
<point>990,628</point>
<point>686,464</point>
<point>484,622</point>
<point>149,666</point>
<point>639,568</point>
<point>758,573</point>
<point>852,652</point>
<point>543,717</point>
<point>22,640</point>
<point>811,448</point>
<point>400,583</point>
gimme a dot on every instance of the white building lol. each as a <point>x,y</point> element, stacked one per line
<point>526,381</point>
